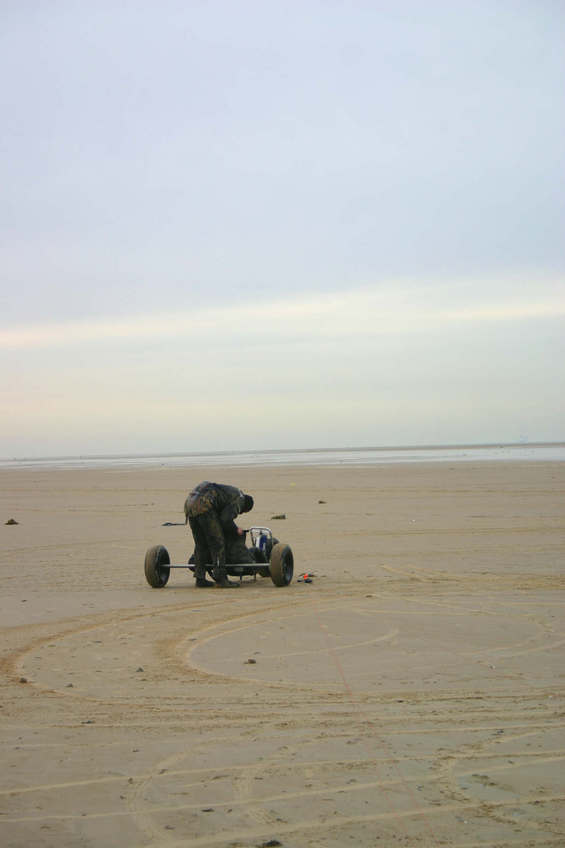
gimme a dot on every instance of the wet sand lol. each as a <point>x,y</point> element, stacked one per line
<point>412,694</point>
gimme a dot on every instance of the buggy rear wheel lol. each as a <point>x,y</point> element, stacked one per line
<point>282,564</point>
<point>156,566</point>
<point>260,559</point>
<point>269,547</point>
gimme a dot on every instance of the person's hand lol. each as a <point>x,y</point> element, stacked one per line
<point>240,532</point>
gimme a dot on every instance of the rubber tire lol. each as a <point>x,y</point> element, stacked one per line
<point>282,564</point>
<point>269,547</point>
<point>156,562</point>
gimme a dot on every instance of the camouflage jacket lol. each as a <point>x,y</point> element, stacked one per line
<point>226,501</point>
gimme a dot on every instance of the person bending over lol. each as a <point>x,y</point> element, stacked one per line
<point>210,510</point>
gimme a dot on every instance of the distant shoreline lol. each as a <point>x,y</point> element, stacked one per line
<point>528,451</point>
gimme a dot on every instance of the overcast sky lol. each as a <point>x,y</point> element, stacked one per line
<point>261,224</point>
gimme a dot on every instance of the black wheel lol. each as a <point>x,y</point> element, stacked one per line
<point>269,547</point>
<point>258,555</point>
<point>282,564</point>
<point>156,566</point>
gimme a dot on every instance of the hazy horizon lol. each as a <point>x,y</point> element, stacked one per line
<point>285,450</point>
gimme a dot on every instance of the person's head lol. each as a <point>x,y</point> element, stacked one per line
<point>247,503</point>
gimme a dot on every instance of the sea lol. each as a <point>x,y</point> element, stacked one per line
<point>529,452</point>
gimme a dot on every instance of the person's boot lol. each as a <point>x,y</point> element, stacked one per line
<point>201,581</point>
<point>221,578</point>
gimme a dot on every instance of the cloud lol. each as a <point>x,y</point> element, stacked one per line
<point>469,361</point>
<point>362,312</point>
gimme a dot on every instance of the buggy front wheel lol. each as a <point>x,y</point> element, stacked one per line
<point>282,564</point>
<point>157,569</point>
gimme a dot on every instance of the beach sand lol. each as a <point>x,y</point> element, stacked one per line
<point>412,694</point>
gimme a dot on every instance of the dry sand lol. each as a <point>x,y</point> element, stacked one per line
<point>413,694</point>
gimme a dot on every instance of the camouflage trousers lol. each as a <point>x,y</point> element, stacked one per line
<point>209,542</point>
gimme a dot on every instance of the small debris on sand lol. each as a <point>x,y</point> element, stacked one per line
<point>12,521</point>
<point>321,501</point>
<point>250,662</point>
<point>280,517</point>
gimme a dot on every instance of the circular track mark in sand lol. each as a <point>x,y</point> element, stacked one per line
<point>367,649</point>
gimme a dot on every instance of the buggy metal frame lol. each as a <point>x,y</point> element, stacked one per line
<point>273,559</point>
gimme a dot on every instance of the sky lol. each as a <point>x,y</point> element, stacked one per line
<point>254,224</point>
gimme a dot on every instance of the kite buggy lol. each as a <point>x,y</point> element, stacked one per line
<point>272,559</point>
